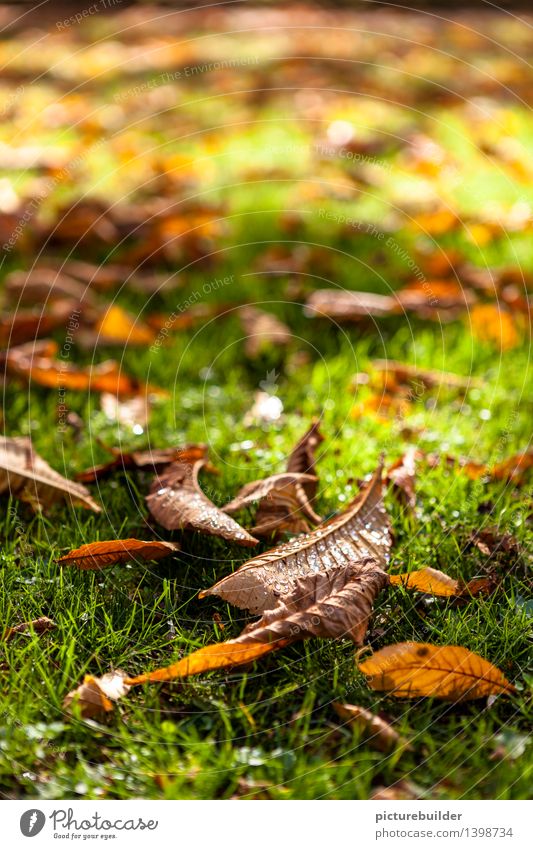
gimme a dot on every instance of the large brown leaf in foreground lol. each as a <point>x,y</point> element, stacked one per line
<point>177,501</point>
<point>98,555</point>
<point>25,475</point>
<point>362,531</point>
<point>412,670</point>
<point>333,604</point>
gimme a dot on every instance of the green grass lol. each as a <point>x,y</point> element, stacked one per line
<point>270,731</point>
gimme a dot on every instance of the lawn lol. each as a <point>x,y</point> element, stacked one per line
<point>241,123</point>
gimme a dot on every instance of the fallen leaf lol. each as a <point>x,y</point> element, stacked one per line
<point>491,324</point>
<point>429,378</point>
<point>155,459</point>
<point>282,505</point>
<point>491,541</point>
<point>95,696</point>
<point>433,581</point>
<point>117,326</point>
<point>342,305</point>
<point>302,458</point>
<point>40,626</point>
<point>333,604</point>
<point>263,330</point>
<point>134,411</point>
<point>25,475</point>
<point>402,476</point>
<point>379,734</point>
<point>413,670</point>
<point>43,285</point>
<point>176,501</point>
<point>99,555</point>
<point>362,531</point>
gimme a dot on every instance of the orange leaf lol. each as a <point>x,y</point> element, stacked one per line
<point>118,326</point>
<point>411,670</point>
<point>438,583</point>
<point>95,696</point>
<point>490,324</point>
<point>217,656</point>
<point>98,555</point>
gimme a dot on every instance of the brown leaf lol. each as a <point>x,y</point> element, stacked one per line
<point>99,555</point>
<point>40,626</point>
<point>429,378</point>
<point>25,475</point>
<point>412,670</point>
<point>176,501</point>
<point>282,504</point>
<point>342,305</point>
<point>262,330</point>
<point>333,604</point>
<point>155,460</point>
<point>380,734</point>
<point>362,531</point>
<point>400,790</point>
<point>43,285</point>
<point>134,411</point>
<point>402,475</point>
<point>438,583</point>
<point>95,696</point>
<point>302,458</point>
<point>490,541</point>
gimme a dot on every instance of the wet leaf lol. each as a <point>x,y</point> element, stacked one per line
<point>95,696</point>
<point>176,501</point>
<point>283,504</point>
<point>99,555</point>
<point>378,733</point>
<point>362,531</point>
<point>25,475</point>
<point>335,604</point>
<point>155,460</point>
<point>413,670</point>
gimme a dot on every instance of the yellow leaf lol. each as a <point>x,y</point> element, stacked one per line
<point>413,670</point>
<point>117,326</point>
<point>437,583</point>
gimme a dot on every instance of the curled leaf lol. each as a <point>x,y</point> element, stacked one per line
<point>95,696</point>
<point>283,504</point>
<point>25,475</point>
<point>379,734</point>
<point>154,459</point>
<point>362,531</point>
<point>99,555</point>
<point>413,670</point>
<point>176,501</point>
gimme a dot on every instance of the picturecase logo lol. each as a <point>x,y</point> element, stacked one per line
<point>32,822</point>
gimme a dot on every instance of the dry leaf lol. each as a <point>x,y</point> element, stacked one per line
<point>99,555</point>
<point>380,734</point>
<point>491,324</point>
<point>413,670</point>
<point>362,531</point>
<point>44,285</point>
<point>134,411</point>
<point>155,460</point>
<point>262,330</point>
<point>302,458</point>
<point>282,504</point>
<point>342,305</point>
<point>333,604</point>
<point>402,475</point>
<point>117,327</point>
<point>438,583</point>
<point>25,475</point>
<point>39,626</point>
<point>95,696</point>
<point>407,374</point>
<point>176,501</point>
